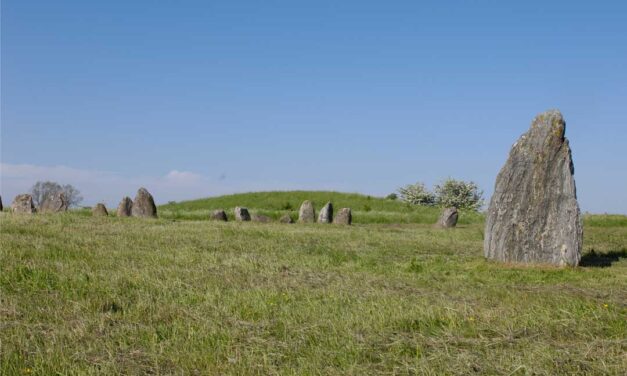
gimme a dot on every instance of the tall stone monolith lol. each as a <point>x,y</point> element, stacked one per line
<point>326,213</point>
<point>534,217</point>
<point>125,207</point>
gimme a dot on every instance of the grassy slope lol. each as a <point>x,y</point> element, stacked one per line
<point>366,209</point>
<point>82,295</point>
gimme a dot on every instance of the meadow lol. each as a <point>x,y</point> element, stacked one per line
<point>388,295</point>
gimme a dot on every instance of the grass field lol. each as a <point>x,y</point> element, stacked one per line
<point>181,295</point>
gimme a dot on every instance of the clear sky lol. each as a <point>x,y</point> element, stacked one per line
<point>198,98</point>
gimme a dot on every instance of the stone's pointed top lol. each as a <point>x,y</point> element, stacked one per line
<point>550,123</point>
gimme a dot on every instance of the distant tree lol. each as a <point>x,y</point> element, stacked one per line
<point>459,194</point>
<point>416,194</point>
<point>392,196</point>
<point>44,189</point>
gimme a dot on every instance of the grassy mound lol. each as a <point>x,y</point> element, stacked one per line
<point>366,209</point>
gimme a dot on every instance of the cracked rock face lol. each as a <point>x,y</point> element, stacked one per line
<point>534,217</point>
<point>23,204</point>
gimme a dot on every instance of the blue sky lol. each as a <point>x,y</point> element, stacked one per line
<point>198,98</point>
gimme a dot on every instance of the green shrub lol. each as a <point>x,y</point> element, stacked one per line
<point>417,194</point>
<point>459,194</point>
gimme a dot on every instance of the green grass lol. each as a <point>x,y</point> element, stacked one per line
<point>83,295</point>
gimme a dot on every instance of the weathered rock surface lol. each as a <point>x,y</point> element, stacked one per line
<point>286,218</point>
<point>23,204</point>
<point>307,214</point>
<point>54,203</point>
<point>219,215</point>
<point>534,215</point>
<point>125,208</point>
<point>242,214</point>
<point>99,211</point>
<point>448,219</point>
<point>261,218</point>
<point>344,217</point>
<point>144,205</point>
<point>326,213</point>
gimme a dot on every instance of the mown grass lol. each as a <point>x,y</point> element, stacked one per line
<point>84,295</point>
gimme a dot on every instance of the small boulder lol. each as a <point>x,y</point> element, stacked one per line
<point>54,203</point>
<point>219,215</point>
<point>448,219</point>
<point>125,209</point>
<point>144,205</point>
<point>100,210</point>
<point>286,219</point>
<point>23,204</point>
<point>344,217</point>
<point>307,213</point>
<point>242,214</point>
<point>326,213</point>
<point>261,218</point>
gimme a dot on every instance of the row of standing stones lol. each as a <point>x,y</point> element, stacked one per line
<point>306,214</point>
<point>142,206</point>
<point>533,216</point>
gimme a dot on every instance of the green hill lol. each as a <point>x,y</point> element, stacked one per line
<point>366,209</point>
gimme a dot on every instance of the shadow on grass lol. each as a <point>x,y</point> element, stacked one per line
<point>602,260</point>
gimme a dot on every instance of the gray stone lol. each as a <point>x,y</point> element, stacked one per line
<point>242,214</point>
<point>100,210</point>
<point>125,208</point>
<point>307,213</point>
<point>144,205</point>
<point>219,215</point>
<point>23,204</point>
<point>326,213</point>
<point>534,216</point>
<point>286,218</point>
<point>343,217</point>
<point>1,207</point>
<point>261,218</point>
<point>448,219</point>
<point>54,203</point>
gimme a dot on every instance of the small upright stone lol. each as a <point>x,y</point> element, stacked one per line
<point>307,214</point>
<point>1,207</point>
<point>23,204</point>
<point>448,219</point>
<point>144,205</point>
<point>286,218</point>
<point>344,217</point>
<point>100,210</point>
<point>534,217</point>
<point>125,208</point>
<point>54,203</point>
<point>242,214</point>
<point>261,218</point>
<point>219,215</point>
<point>326,213</point>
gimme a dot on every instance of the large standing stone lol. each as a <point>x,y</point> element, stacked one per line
<point>125,208</point>
<point>307,214</point>
<point>54,203</point>
<point>534,215</point>
<point>1,207</point>
<point>23,204</point>
<point>448,219</point>
<point>144,205</point>
<point>286,218</point>
<point>100,210</point>
<point>326,213</point>
<point>219,215</point>
<point>242,214</point>
<point>343,217</point>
